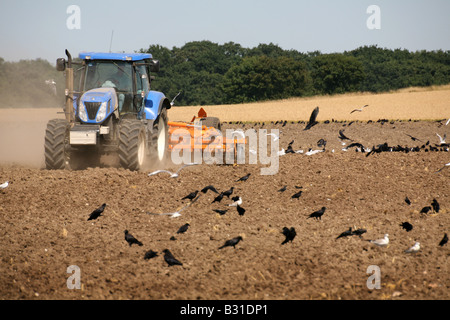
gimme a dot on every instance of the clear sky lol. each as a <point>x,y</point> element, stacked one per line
<point>38,29</point>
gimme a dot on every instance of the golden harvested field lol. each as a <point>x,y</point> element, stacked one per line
<point>410,103</point>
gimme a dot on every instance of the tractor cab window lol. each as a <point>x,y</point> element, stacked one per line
<point>142,84</point>
<point>109,74</point>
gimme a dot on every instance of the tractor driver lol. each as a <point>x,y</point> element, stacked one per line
<point>121,82</point>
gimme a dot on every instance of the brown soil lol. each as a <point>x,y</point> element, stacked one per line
<point>45,228</point>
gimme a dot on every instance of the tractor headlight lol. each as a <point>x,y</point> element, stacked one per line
<point>82,112</point>
<point>101,114</point>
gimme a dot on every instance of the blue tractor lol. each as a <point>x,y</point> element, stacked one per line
<point>109,110</point>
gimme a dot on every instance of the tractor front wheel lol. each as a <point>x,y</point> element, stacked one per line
<point>57,145</point>
<point>132,144</point>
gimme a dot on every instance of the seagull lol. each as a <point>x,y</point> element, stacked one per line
<point>131,239</point>
<point>448,121</point>
<point>442,140</point>
<point>173,100</point>
<point>407,226</point>
<point>312,119</point>
<point>4,185</point>
<point>237,201</point>
<point>444,240</point>
<point>311,152</point>
<point>289,234</point>
<point>150,254</point>
<point>381,242</point>
<point>360,110</point>
<point>170,259</point>
<point>445,166</point>
<point>238,132</point>
<point>317,214</point>
<point>176,213</point>
<point>232,242</point>
<point>97,212</point>
<point>183,228</point>
<point>210,187</point>
<point>415,248</point>
<point>52,84</point>
<point>274,136</point>
<point>282,152</point>
<point>172,174</point>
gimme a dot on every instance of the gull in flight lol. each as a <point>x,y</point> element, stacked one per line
<point>275,137</point>
<point>442,140</point>
<point>237,202</point>
<point>448,121</point>
<point>311,152</point>
<point>4,185</point>
<point>445,166</point>
<point>415,248</point>
<point>381,242</point>
<point>360,110</point>
<point>176,213</point>
<point>172,174</point>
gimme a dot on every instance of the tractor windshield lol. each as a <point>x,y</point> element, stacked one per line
<point>109,74</point>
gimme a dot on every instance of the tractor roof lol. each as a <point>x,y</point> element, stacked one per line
<point>114,56</point>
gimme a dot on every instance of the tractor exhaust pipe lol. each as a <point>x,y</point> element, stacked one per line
<point>70,115</point>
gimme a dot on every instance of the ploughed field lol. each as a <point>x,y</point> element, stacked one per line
<point>45,228</point>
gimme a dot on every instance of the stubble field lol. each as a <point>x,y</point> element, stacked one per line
<point>45,228</point>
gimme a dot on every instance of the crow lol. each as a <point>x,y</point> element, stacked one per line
<point>321,143</point>
<point>425,209</point>
<point>245,178</point>
<point>297,195</point>
<point>346,233</point>
<point>228,192</point>
<point>408,201</point>
<point>444,240</point>
<point>131,239</point>
<point>312,119</point>
<point>289,234</point>
<point>190,196</point>
<point>407,226</point>
<point>435,205</point>
<point>97,212</point>
<point>170,259</point>
<point>150,254</point>
<point>218,198</point>
<point>221,212</point>
<point>413,138</point>
<point>240,210</point>
<point>359,232</point>
<point>183,228</point>
<point>342,136</point>
<point>205,189</point>
<point>282,189</point>
<point>317,214</point>
<point>232,242</point>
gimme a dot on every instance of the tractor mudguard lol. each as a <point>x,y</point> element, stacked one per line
<point>154,101</point>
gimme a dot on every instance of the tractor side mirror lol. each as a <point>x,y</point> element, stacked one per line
<point>60,64</point>
<point>154,65</point>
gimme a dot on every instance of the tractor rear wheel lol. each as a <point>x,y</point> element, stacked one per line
<point>159,144</point>
<point>132,144</point>
<point>57,145</point>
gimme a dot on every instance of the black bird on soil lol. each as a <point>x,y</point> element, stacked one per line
<point>240,210</point>
<point>321,143</point>
<point>413,138</point>
<point>425,209</point>
<point>97,212</point>
<point>218,198</point>
<point>232,242</point>
<point>408,201</point>
<point>312,119</point>
<point>435,205</point>
<point>342,136</point>
<point>150,254</point>
<point>221,212</point>
<point>170,259</point>
<point>359,232</point>
<point>345,233</point>
<point>407,226</point>
<point>282,189</point>
<point>317,214</point>
<point>183,228</point>
<point>297,195</point>
<point>228,192</point>
<point>190,196</point>
<point>289,234</point>
<point>444,240</point>
<point>205,189</point>
<point>244,178</point>
<point>131,239</point>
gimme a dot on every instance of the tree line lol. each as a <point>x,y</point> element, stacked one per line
<point>207,73</point>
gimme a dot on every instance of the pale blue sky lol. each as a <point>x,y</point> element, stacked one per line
<point>37,29</point>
